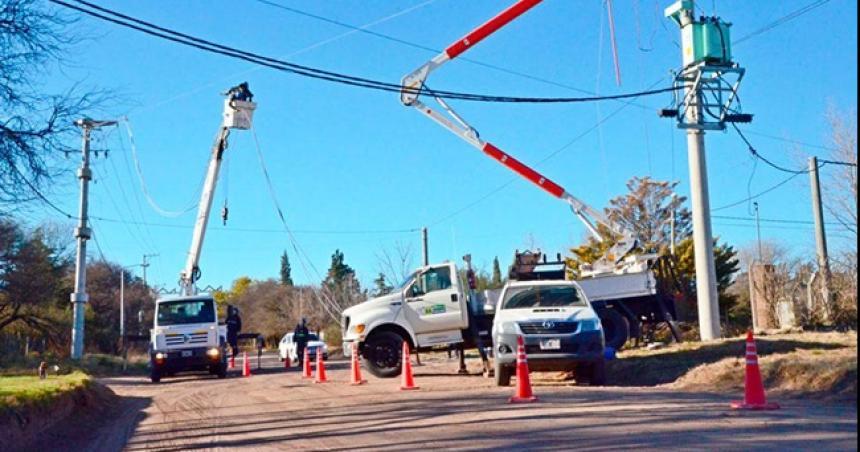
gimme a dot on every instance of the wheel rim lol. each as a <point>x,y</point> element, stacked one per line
<point>385,355</point>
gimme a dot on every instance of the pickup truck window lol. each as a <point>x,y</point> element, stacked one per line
<point>185,311</point>
<point>542,297</point>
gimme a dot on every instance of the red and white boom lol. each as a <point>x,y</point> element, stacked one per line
<point>413,84</point>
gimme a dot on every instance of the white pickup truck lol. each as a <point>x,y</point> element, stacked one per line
<point>428,310</point>
<point>186,337</point>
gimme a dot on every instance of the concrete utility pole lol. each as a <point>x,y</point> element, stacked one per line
<point>425,256</point>
<point>703,101</point>
<point>82,234</point>
<point>820,237</point>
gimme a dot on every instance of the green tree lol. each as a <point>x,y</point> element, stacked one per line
<point>496,282</point>
<point>727,265</point>
<point>381,287</point>
<point>340,285</point>
<point>33,284</point>
<point>286,270</point>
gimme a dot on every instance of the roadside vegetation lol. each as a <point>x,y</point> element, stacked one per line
<point>28,390</point>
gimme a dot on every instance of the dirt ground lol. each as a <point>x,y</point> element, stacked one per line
<point>276,409</point>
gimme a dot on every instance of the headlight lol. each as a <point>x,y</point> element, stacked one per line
<point>509,328</point>
<point>590,324</point>
<point>159,356</point>
<point>213,353</point>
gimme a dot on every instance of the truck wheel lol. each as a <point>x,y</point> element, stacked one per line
<point>616,328</point>
<point>502,374</point>
<point>155,376</point>
<point>381,354</point>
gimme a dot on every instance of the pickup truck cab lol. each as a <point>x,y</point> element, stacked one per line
<point>429,309</point>
<point>560,329</point>
<point>186,336</point>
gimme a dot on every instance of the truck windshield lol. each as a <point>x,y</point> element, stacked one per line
<point>181,312</point>
<point>406,281</point>
<point>542,297</point>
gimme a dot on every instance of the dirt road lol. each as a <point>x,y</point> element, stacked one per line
<point>275,409</point>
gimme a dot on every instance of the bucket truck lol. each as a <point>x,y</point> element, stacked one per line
<point>186,334</point>
<point>620,285</point>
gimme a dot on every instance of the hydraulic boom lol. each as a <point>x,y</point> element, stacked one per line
<point>238,111</point>
<point>413,85</point>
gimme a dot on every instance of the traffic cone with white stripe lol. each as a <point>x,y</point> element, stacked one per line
<point>356,367</point>
<point>524,385</point>
<point>287,362</point>
<point>406,381</point>
<point>321,378</point>
<point>306,366</point>
<point>233,361</point>
<point>754,398</point>
<point>246,365</point>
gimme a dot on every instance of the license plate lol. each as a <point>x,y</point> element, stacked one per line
<point>186,353</point>
<point>550,344</point>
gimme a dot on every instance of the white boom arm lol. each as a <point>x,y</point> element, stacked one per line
<point>413,84</point>
<point>238,111</point>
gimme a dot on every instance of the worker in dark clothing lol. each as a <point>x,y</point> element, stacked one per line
<point>300,337</point>
<point>234,326</point>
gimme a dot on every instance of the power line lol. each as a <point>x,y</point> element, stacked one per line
<point>782,20</point>
<point>761,193</point>
<point>755,154</point>
<point>771,220</point>
<point>307,71</point>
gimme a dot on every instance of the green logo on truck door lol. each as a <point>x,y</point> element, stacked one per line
<point>435,309</point>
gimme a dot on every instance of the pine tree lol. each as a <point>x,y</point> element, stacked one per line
<point>497,274</point>
<point>381,288</point>
<point>286,270</point>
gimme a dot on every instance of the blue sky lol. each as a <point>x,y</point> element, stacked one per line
<point>355,170</point>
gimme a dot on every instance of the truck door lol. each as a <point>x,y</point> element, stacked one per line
<point>433,300</point>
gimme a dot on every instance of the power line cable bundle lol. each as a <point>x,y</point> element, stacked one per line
<point>152,29</point>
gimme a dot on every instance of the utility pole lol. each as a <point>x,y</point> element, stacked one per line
<point>122,316</point>
<point>672,226</point>
<point>82,234</point>
<point>704,94</point>
<point>425,257</point>
<point>820,237</point>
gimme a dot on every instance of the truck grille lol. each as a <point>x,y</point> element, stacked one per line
<point>345,324</point>
<point>548,327</point>
<point>186,339</point>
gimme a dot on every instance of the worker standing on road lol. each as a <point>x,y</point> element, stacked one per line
<point>234,326</point>
<point>300,336</point>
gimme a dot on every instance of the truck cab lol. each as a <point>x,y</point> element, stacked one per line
<point>186,336</point>
<point>428,309</point>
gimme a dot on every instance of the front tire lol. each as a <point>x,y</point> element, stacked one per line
<point>592,373</point>
<point>381,354</point>
<point>155,376</point>
<point>502,374</point>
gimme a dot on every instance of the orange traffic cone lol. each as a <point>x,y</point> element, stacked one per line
<point>754,398</point>
<point>356,367</point>
<point>320,369</point>
<point>232,361</point>
<point>306,366</point>
<point>524,385</point>
<point>406,382</point>
<point>287,361</point>
<point>246,365</point>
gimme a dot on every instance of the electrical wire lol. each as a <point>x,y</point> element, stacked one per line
<point>757,195</point>
<point>307,71</point>
<point>755,154</point>
<point>146,194</point>
<point>784,19</point>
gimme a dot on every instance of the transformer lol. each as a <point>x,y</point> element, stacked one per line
<point>706,40</point>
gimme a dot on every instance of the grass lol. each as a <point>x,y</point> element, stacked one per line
<point>801,363</point>
<point>27,390</point>
<point>93,364</point>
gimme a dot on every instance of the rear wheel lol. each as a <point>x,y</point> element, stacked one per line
<point>502,374</point>
<point>591,373</point>
<point>616,328</point>
<point>381,354</point>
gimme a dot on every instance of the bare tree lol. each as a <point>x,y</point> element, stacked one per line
<point>396,263</point>
<point>840,187</point>
<point>34,126</point>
